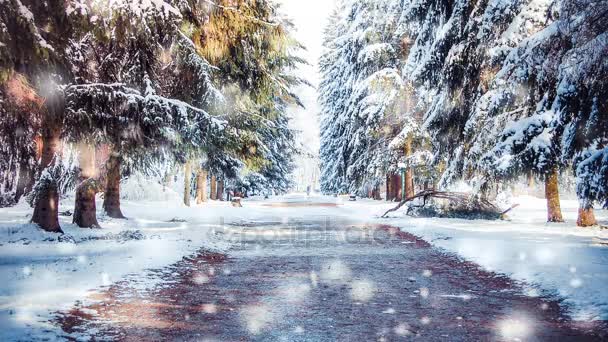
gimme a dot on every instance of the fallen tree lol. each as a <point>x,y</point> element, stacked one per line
<point>432,203</point>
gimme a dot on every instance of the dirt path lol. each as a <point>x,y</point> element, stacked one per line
<point>325,281</point>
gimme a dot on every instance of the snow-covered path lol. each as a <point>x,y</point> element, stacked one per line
<point>323,278</point>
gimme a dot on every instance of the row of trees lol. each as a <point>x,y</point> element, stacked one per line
<point>153,84</point>
<point>482,91</point>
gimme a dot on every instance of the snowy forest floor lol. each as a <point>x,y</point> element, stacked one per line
<point>272,270</point>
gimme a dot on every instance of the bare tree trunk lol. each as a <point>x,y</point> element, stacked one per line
<point>554,211</point>
<point>220,190</point>
<point>201,186</point>
<point>213,189</point>
<point>409,173</point>
<point>46,208</point>
<point>187,185</point>
<point>111,200</point>
<point>586,217</point>
<point>85,211</point>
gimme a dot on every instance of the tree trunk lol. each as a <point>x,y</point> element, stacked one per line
<point>531,182</point>
<point>86,161</point>
<point>51,146</point>
<point>220,190</point>
<point>111,200</point>
<point>85,210</point>
<point>554,211</point>
<point>409,173</point>
<point>213,190</point>
<point>396,187</point>
<point>388,188</point>
<point>46,211</point>
<point>201,186</point>
<point>169,178</point>
<point>586,217</point>
<point>26,180</point>
<point>187,185</point>
<point>46,208</point>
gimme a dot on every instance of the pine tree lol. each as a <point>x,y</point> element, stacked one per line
<point>359,94</point>
<point>580,103</point>
<point>36,35</point>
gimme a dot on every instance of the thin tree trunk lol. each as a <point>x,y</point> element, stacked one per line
<point>409,173</point>
<point>388,188</point>
<point>213,190</point>
<point>187,185</point>
<point>167,181</point>
<point>220,190</point>
<point>554,211</point>
<point>169,178</point>
<point>111,200</point>
<point>586,217</point>
<point>201,186</point>
<point>531,181</point>
<point>85,210</point>
<point>46,208</point>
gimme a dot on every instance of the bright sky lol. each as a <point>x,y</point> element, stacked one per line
<point>310,18</point>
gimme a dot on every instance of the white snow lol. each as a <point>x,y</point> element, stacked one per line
<point>550,258</point>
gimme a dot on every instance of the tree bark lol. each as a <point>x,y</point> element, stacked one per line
<point>46,208</point>
<point>26,180</point>
<point>554,211</point>
<point>213,190</point>
<point>220,190</point>
<point>86,161</point>
<point>187,181</point>
<point>111,200</point>
<point>388,188</point>
<point>51,146</point>
<point>396,186</point>
<point>46,211</point>
<point>201,186</point>
<point>586,217</point>
<point>85,210</point>
<point>409,173</point>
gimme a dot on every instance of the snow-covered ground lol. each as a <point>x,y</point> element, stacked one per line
<point>43,272</point>
<point>41,275</point>
<point>553,259</point>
